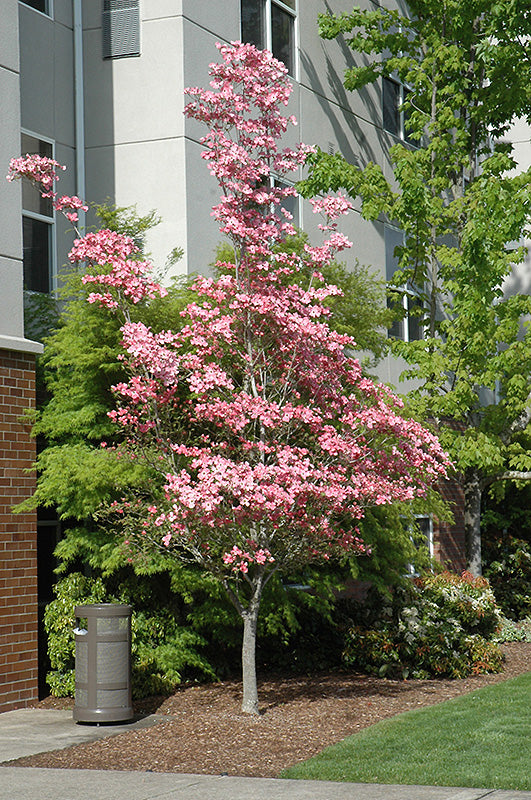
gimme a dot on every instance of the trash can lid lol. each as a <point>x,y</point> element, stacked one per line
<point>103,610</point>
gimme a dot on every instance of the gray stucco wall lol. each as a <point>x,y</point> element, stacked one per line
<point>139,148</point>
<point>11,304</point>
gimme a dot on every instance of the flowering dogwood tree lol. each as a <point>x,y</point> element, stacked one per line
<point>269,440</point>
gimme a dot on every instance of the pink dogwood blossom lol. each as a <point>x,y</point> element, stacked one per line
<point>270,440</point>
<point>42,172</point>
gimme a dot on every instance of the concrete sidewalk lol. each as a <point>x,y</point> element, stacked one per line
<point>29,731</point>
<point>23,783</point>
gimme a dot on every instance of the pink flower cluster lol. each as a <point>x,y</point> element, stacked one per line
<point>239,560</point>
<point>41,171</point>
<point>332,206</point>
<point>265,430</point>
<point>124,271</point>
<point>242,110</point>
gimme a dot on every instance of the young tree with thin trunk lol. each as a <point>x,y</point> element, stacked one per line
<point>465,72</point>
<point>268,439</point>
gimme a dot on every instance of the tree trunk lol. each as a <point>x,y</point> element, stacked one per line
<point>473,490</point>
<point>250,690</point>
<point>249,615</point>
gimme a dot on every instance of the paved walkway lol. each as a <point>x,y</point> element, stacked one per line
<point>30,731</point>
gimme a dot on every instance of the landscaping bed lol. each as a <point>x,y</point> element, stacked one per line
<point>201,729</point>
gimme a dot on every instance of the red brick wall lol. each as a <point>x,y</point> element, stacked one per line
<point>18,535</point>
<point>449,546</point>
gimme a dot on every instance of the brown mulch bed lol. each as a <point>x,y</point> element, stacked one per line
<point>202,730</point>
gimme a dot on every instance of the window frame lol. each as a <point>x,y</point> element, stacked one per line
<point>429,541</point>
<point>268,29</point>
<point>49,8</point>
<point>403,90</point>
<point>50,219</point>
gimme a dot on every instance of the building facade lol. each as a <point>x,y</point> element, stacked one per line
<point>18,536</point>
<point>104,92</point>
<point>100,86</point>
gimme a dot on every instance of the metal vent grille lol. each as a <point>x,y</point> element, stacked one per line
<point>121,28</point>
<point>112,660</point>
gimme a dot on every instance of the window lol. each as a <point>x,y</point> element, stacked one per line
<point>121,28</point>
<point>270,25</point>
<point>290,203</point>
<point>44,6</point>
<point>408,325</point>
<point>37,225</point>
<point>422,536</point>
<point>394,117</point>
<point>425,525</point>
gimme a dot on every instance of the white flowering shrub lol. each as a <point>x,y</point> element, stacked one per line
<point>438,626</point>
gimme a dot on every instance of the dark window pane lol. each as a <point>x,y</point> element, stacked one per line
<point>36,259</point>
<point>290,203</point>
<point>30,144</point>
<point>253,22</point>
<point>391,103</point>
<point>425,527</point>
<point>397,329</point>
<point>282,36</point>
<point>414,318</point>
<point>31,197</point>
<point>39,5</point>
<point>393,238</point>
<point>424,524</point>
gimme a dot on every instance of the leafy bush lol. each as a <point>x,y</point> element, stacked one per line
<point>162,651</point>
<point>470,600</point>
<point>184,629</point>
<point>506,546</point>
<point>59,622</point>
<point>299,633</point>
<point>509,573</point>
<point>511,631</point>
<point>438,626</point>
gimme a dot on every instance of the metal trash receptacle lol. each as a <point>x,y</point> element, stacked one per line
<point>103,663</point>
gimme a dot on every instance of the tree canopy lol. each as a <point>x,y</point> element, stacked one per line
<point>464,208</point>
<point>267,438</point>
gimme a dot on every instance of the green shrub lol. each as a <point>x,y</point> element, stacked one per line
<point>506,547</point>
<point>162,652</point>
<point>438,626</point>
<point>509,573</point>
<point>185,630</point>
<point>470,600</point>
<point>59,623</point>
<point>511,631</point>
<point>313,642</point>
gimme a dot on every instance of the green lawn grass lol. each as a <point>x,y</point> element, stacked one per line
<point>481,740</point>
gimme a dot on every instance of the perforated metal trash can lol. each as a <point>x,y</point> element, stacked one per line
<point>103,663</point>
